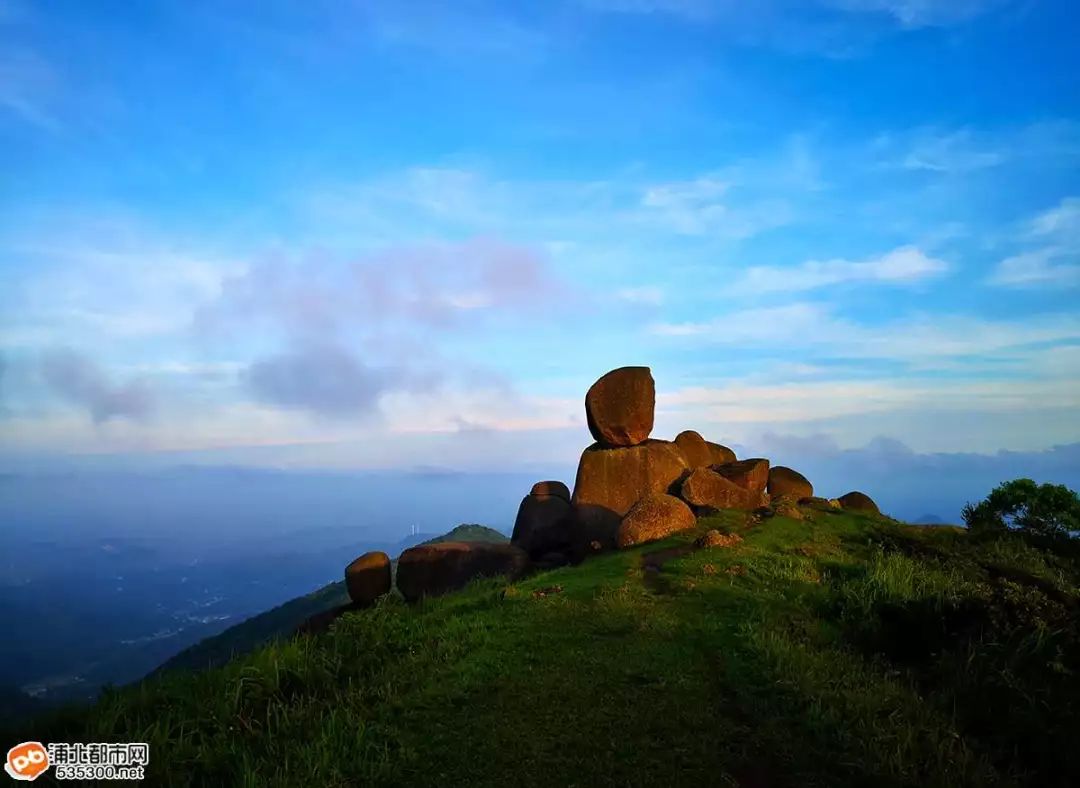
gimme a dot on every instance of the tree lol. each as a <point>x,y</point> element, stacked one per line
<point>1022,505</point>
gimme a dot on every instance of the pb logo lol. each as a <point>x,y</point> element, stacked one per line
<point>27,761</point>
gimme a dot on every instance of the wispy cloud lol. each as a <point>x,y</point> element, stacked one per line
<point>815,327</point>
<point>951,152</point>
<point>921,13</point>
<point>1056,261</point>
<point>26,83</point>
<point>905,265</point>
<point>641,295</point>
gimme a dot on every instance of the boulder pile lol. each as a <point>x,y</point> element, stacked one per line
<point>629,489</point>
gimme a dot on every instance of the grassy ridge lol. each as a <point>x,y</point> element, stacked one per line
<point>842,651</point>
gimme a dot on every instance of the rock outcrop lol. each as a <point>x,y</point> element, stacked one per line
<point>610,481</point>
<point>433,569</point>
<point>543,523</point>
<point>619,407</point>
<point>368,577</point>
<point>654,517</point>
<point>720,454</point>
<point>694,449</point>
<point>704,488</point>
<point>784,481</point>
<point>856,501</point>
<point>751,475</point>
<point>820,504</point>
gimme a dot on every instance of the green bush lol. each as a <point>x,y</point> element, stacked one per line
<point>1046,510</point>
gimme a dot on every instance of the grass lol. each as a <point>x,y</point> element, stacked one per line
<point>839,651</point>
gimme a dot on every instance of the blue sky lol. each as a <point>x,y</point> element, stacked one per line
<point>393,234</point>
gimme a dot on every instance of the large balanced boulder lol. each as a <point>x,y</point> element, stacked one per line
<point>751,475</point>
<point>706,489</point>
<point>543,523</point>
<point>368,577</point>
<point>856,501</point>
<point>558,489</point>
<point>720,454</point>
<point>694,449</point>
<point>784,481</point>
<point>610,481</point>
<point>620,406</point>
<point>652,518</point>
<point>432,569</point>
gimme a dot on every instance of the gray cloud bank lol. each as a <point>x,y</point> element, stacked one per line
<point>79,380</point>
<point>908,484</point>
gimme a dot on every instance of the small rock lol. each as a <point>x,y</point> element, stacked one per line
<point>714,538</point>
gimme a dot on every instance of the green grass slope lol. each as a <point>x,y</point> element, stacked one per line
<point>842,651</point>
<point>283,620</point>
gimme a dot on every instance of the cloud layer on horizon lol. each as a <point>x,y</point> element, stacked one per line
<point>842,240</point>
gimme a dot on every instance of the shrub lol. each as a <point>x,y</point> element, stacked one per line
<point>1048,510</point>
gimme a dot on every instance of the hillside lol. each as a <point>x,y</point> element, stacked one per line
<point>845,650</point>
<point>283,620</point>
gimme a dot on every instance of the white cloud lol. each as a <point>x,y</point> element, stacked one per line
<point>904,265</point>
<point>696,207</point>
<point>1038,268</point>
<point>1057,262</point>
<point>810,401</point>
<point>815,331</point>
<point>1061,222</point>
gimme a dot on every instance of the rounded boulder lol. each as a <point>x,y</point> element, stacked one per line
<point>720,454</point>
<point>694,449</point>
<point>654,517</point>
<point>620,407</point>
<point>557,489</point>
<point>433,569</point>
<point>787,482</point>
<point>368,577</point>
<point>542,524</point>
<point>856,501</point>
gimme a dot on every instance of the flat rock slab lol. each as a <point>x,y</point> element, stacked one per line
<point>706,489</point>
